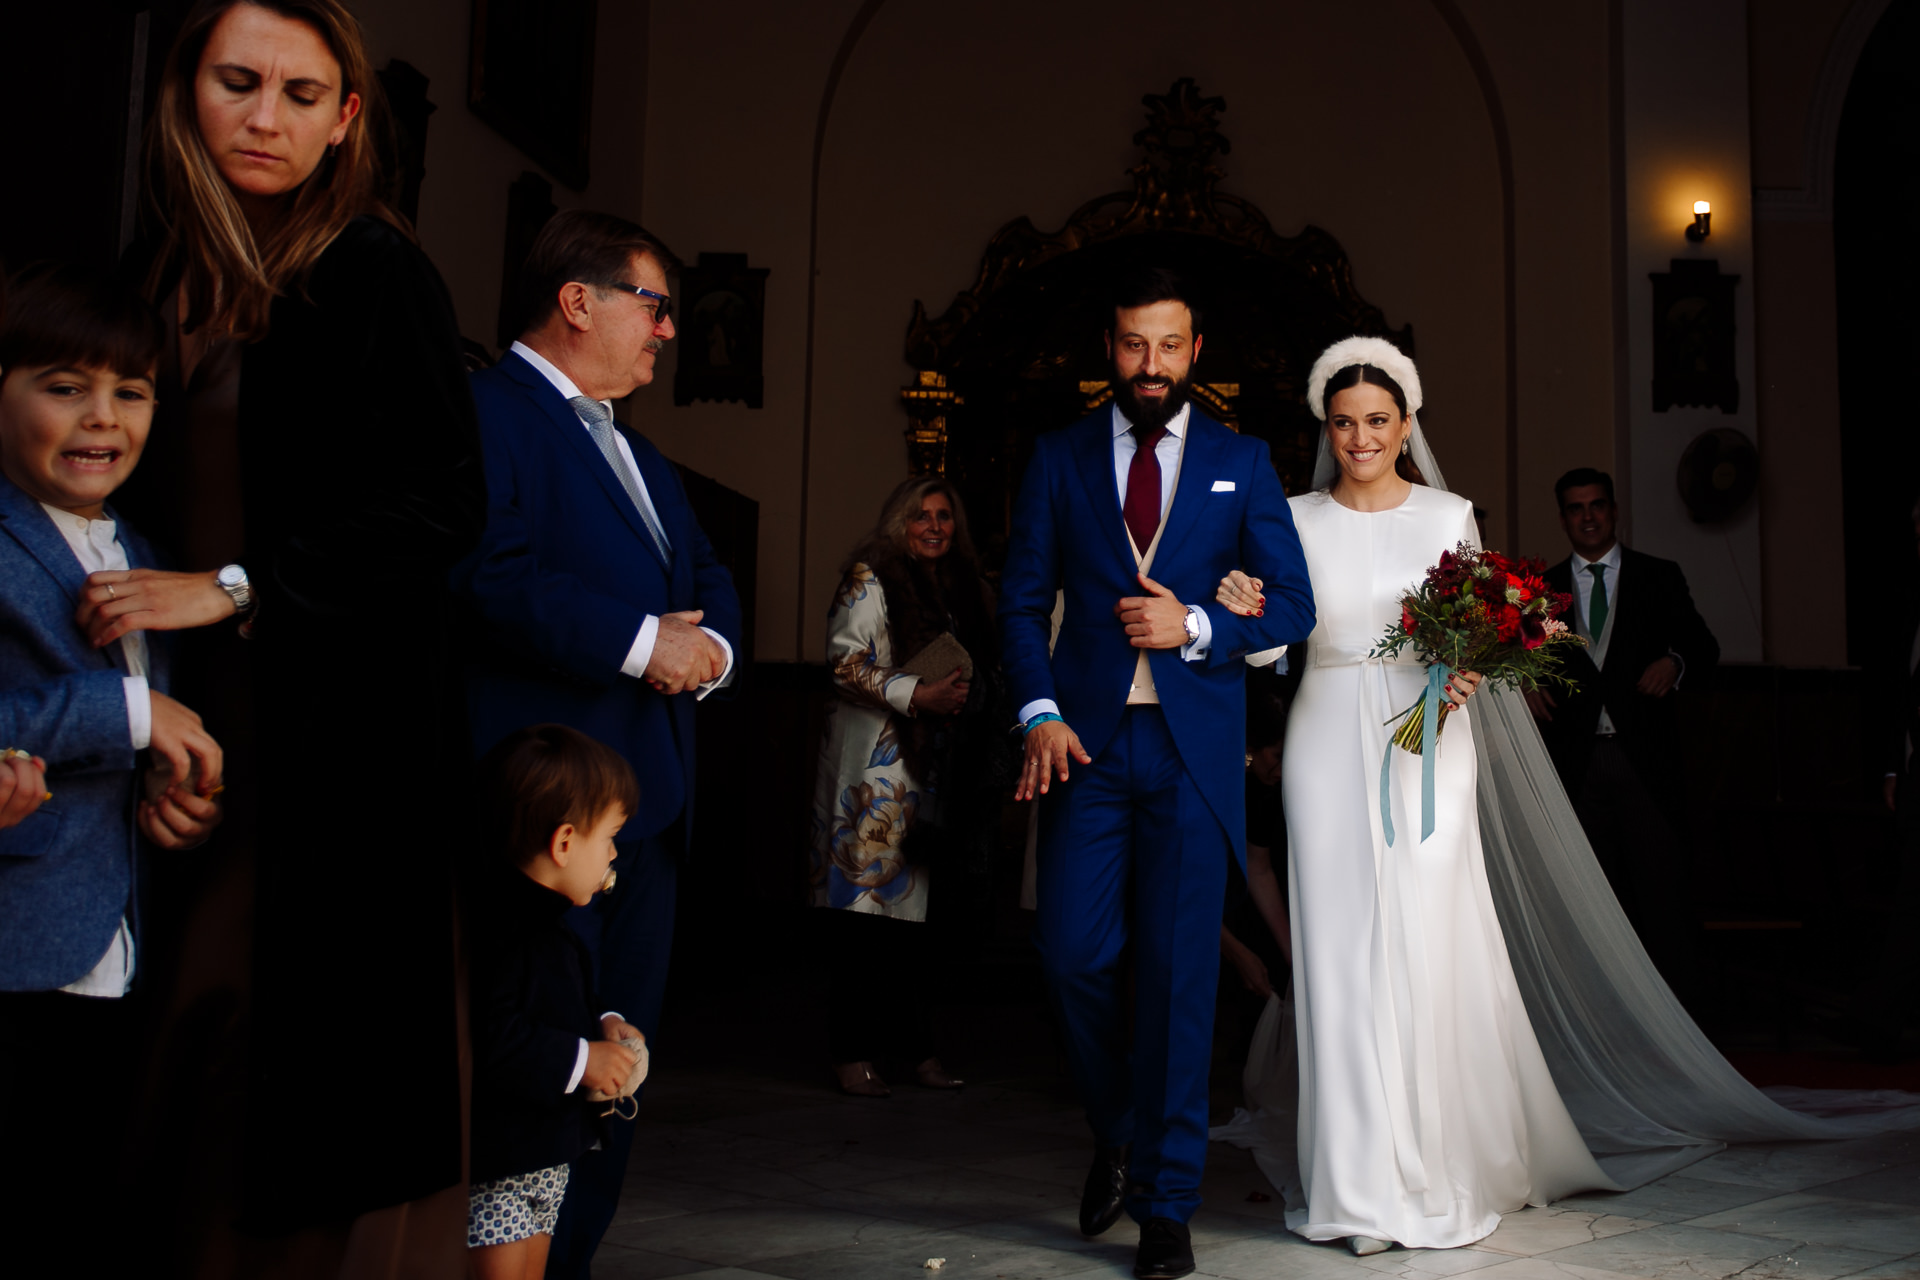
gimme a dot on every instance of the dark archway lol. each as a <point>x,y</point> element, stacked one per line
<point>1020,352</point>
<point>1877,275</point>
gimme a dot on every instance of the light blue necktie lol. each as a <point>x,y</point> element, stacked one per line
<point>600,425</point>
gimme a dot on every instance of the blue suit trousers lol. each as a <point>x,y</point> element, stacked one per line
<point>1130,852</point>
<point>629,934</point>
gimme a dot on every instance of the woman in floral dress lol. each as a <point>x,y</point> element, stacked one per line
<point>889,759</point>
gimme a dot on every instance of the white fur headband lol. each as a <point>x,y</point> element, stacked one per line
<point>1379,353</point>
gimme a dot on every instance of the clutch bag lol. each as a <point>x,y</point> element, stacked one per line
<point>937,661</point>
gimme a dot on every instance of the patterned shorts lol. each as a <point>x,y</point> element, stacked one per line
<point>516,1207</point>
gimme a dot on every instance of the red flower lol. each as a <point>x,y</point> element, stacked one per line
<point>1533,632</point>
<point>1509,623</point>
<point>1406,620</point>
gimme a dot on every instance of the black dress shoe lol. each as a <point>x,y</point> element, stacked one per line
<point>1106,1191</point>
<point>1166,1250</point>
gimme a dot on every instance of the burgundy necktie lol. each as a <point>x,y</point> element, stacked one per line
<point>1142,508</point>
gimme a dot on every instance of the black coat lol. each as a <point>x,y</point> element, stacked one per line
<point>1653,616</point>
<point>531,1006</point>
<point>359,488</point>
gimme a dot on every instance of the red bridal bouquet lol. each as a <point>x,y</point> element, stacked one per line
<point>1480,611</point>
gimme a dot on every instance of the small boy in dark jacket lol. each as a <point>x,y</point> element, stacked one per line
<point>557,799</point>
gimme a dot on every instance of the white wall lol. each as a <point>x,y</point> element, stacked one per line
<point>463,202</point>
<point>1366,120</point>
<point>1687,140</point>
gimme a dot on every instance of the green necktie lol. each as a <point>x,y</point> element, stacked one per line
<point>1597,602</point>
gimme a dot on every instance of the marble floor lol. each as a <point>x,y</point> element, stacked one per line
<point>738,1174</point>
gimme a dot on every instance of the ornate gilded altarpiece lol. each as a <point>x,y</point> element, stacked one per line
<point>1020,353</point>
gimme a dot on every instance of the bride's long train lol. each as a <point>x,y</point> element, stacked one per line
<point>1647,1090</point>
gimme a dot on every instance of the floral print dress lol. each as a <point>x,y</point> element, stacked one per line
<point>864,799</point>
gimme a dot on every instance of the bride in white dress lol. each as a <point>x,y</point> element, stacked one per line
<point>1426,1109</point>
<point>1478,1026</point>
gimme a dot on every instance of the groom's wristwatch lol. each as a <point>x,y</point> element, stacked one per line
<point>233,580</point>
<point>1192,621</point>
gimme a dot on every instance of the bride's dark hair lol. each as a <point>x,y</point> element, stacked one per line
<point>1352,376</point>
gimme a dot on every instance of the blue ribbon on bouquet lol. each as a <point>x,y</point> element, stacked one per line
<point>1429,732</point>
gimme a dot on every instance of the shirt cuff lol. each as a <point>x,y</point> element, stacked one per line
<point>579,1066</point>
<point>1198,648</point>
<point>726,675</point>
<point>1039,706</point>
<point>899,693</point>
<point>642,652</point>
<point>139,711</point>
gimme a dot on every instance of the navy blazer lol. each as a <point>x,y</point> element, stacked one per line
<point>1229,512</point>
<point>564,575</point>
<point>67,872</point>
<point>531,1005</point>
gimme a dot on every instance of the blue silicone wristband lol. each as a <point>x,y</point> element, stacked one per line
<point>1042,718</point>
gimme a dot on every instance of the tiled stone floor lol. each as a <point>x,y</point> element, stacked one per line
<point>739,1175</point>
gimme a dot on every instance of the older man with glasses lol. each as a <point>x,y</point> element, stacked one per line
<point>599,605</point>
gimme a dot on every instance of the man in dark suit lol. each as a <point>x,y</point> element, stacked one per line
<point>1135,722</point>
<point>1615,737</point>
<point>600,605</point>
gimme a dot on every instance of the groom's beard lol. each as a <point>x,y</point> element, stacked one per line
<point>1151,413</point>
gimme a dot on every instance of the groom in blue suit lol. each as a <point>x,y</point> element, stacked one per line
<point>601,606</point>
<point>1135,736</point>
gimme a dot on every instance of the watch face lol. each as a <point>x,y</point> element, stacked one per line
<point>232,576</point>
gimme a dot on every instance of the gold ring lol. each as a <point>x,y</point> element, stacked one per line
<point>110,592</point>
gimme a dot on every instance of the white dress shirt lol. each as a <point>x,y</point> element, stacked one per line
<point>96,545</point>
<point>1167,451</point>
<point>642,651</point>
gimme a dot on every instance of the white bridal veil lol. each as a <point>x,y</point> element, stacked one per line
<point>1648,1091</point>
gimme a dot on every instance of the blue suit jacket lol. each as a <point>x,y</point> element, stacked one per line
<point>67,872</point>
<point>1229,512</point>
<point>564,575</point>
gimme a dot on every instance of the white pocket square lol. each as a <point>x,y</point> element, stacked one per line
<point>1223,486</point>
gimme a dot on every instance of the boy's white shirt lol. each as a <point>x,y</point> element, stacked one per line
<point>96,544</point>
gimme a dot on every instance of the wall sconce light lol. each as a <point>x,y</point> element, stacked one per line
<point>1702,215</point>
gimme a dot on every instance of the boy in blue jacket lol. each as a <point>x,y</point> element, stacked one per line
<point>77,361</point>
<point>557,799</point>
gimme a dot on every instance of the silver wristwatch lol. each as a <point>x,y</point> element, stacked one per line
<point>1192,621</point>
<point>233,580</point>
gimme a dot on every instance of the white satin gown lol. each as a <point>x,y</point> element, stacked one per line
<point>1426,1108</point>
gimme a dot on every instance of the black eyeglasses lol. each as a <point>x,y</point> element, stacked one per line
<point>662,303</point>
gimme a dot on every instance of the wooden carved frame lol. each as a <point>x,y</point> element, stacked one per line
<point>1175,189</point>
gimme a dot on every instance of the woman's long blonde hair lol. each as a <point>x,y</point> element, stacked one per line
<point>888,540</point>
<point>230,270</point>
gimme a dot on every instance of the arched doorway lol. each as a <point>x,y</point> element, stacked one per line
<point>1020,353</point>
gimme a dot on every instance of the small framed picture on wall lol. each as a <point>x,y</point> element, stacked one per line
<point>531,77</point>
<point>1693,351</point>
<point>721,314</point>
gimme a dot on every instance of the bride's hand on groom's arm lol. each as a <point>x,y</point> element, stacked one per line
<point>1155,620</point>
<point>1242,594</point>
<point>1049,745</point>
